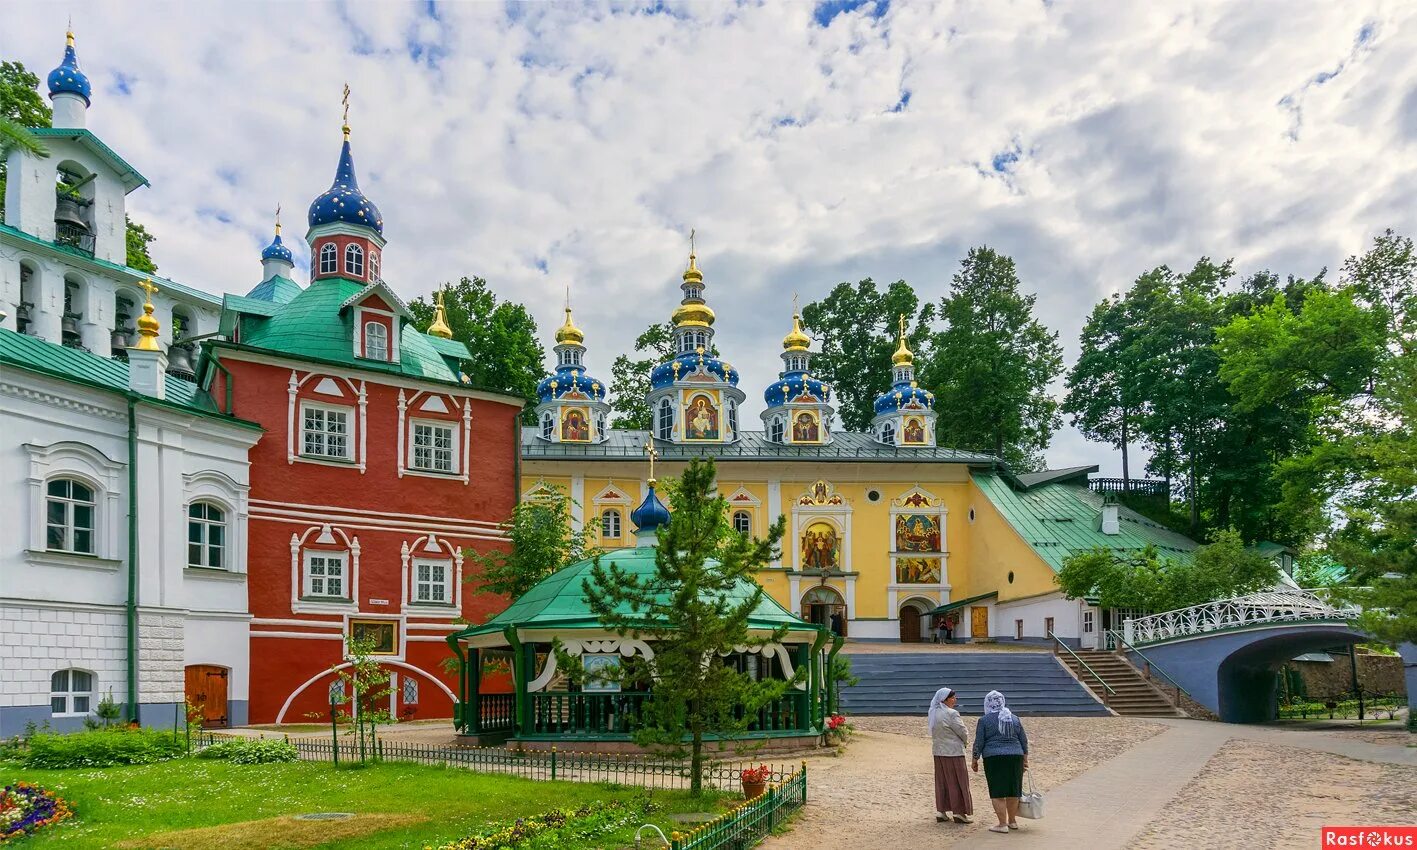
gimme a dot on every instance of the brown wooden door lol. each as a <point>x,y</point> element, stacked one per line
<point>207,688</point>
<point>978,622</point>
<point>910,624</point>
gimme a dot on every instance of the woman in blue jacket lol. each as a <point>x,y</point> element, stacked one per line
<point>1000,740</point>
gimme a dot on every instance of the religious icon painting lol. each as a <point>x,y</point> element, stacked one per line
<point>806,428</point>
<point>914,431</point>
<point>575,425</point>
<point>701,418</point>
<point>821,547</point>
<point>917,571</point>
<point>917,533</point>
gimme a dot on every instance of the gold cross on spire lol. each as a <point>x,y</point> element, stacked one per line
<point>147,287</point>
<point>652,454</point>
<point>794,303</point>
<point>345,101</point>
<point>902,327</point>
<point>691,241</point>
<point>277,219</point>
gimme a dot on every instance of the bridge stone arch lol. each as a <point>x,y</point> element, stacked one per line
<point>1234,673</point>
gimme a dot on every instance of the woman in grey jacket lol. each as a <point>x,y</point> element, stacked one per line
<point>948,738</point>
<point>1000,739</point>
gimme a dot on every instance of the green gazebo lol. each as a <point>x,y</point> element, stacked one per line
<point>545,709</point>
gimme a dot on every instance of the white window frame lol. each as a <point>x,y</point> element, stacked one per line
<point>204,542</point>
<point>327,409</point>
<point>373,265</point>
<point>777,430</point>
<point>69,694</point>
<point>732,420</point>
<point>69,527</point>
<point>548,425</point>
<point>888,433</point>
<point>419,583</point>
<point>454,466</point>
<point>1088,621</point>
<point>306,584</point>
<point>408,692</point>
<point>376,349</point>
<point>353,261</point>
<point>612,523</point>
<point>747,518</point>
<point>329,258</point>
<point>664,416</point>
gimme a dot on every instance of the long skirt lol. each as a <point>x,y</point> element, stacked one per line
<point>952,786</point>
<point>1005,776</point>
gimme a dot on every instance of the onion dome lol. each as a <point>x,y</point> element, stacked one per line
<point>902,356</point>
<point>67,78</point>
<point>568,333</point>
<point>692,314</point>
<point>277,250</point>
<point>690,363</point>
<point>439,326</point>
<point>796,340</point>
<point>692,273</point>
<point>905,395</point>
<point>651,514</point>
<point>148,326</point>
<point>570,382</point>
<point>343,202</point>
<point>796,386</point>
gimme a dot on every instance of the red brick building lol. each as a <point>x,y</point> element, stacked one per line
<point>378,468</point>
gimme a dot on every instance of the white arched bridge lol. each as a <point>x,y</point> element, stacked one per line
<point>1226,654</point>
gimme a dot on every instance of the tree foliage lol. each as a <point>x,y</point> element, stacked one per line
<point>991,366</point>
<point>541,541</point>
<point>1103,398</point>
<point>855,328</point>
<point>687,609</point>
<point>500,336</point>
<point>21,107</point>
<point>138,241</point>
<point>629,377</point>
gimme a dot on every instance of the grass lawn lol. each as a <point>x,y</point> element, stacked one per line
<point>399,805</point>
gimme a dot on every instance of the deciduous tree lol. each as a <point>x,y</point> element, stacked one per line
<point>541,540</point>
<point>629,377</point>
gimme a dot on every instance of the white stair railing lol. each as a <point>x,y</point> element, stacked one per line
<point>1278,606</point>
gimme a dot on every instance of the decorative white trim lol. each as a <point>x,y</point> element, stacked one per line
<point>358,335</point>
<point>280,716</point>
<point>577,646</point>
<point>326,535</point>
<point>231,496</point>
<point>333,513</point>
<point>934,506</point>
<point>86,464</point>
<point>410,554</point>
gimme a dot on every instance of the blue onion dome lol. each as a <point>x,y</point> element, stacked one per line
<point>343,201</point>
<point>796,386</point>
<point>904,395</point>
<point>277,250</point>
<point>651,514</point>
<point>692,363</point>
<point>571,383</point>
<point>67,78</point>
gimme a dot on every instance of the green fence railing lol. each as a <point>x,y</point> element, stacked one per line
<point>752,821</point>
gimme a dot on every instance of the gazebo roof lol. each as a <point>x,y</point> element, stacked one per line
<point>559,603</point>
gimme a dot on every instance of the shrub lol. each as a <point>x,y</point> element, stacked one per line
<point>101,748</point>
<point>557,827</point>
<point>252,751</point>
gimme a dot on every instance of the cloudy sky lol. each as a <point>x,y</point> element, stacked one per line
<point>548,145</point>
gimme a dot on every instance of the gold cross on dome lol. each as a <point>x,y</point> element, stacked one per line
<point>345,101</point>
<point>652,454</point>
<point>691,240</point>
<point>147,287</point>
<point>902,326</point>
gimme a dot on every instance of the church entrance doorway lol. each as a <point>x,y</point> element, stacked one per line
<point>913,622</point>
<point>206,688</point>
<point>825,607</point>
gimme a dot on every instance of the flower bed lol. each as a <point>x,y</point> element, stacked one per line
<point>550,829</point>
<point>25,808</point>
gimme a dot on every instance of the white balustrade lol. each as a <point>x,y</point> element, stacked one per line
<point>1287,606</point>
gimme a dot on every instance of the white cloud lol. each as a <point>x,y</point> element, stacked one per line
<point>499,139</point>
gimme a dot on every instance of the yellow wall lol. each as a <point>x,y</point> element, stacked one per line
<point>980,553</point>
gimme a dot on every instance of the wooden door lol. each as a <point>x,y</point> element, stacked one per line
<point>910,624</point>
<point>978,622</point>
<point>207,688</point>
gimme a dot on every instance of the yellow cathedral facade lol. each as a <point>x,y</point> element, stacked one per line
<point>888,537</point>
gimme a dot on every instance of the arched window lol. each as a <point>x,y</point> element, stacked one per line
<point>548,424</point>
<point>69,517</point>
<point>775,430</point>
<point>888,433</point>
<point>600,429</point>
<point>329,258</point>
<point>353,261</point>
<point>376,341</point>
<point>206,535</point>
<point>373,265</point>
<point>610,524</point>
<point>742,522</point>
<point>732,419</point>
<point>666,420</point>
<point>70,692</point>
<point>410,690</point>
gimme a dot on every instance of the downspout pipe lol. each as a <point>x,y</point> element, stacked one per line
<point>132,604</point>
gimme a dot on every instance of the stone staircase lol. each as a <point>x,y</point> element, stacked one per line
<point>1135,696</point>
<point>903,683</point>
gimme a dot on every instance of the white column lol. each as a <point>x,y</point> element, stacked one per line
<point>578,501</point>
<point>774,511</point>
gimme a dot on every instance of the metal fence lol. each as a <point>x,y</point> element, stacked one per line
<point>645,771</point>
<point>750,822</point>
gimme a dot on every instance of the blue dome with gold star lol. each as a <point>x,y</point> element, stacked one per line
<point>651,514</point>
<point>343,202</point>
<point>67,78</point>
<point>795,386</point>
<point>570,382</point>
<point>690,363</point>
<point>277,251</point>
<point>904,394</point>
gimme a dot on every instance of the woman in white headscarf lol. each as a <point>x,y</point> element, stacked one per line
<point>949,737</point>
<point>1000,739</point>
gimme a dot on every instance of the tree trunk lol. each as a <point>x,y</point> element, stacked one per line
<point>696,765</point>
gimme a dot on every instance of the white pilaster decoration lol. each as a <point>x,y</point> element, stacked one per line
<point>403,423</point>
<point>466,440</point>
<point>404,589</point>
<point>290,433</point>
<point>363,432</point>
<point>917,501</point>
<point>794,593</point>
<point>775,510</point>
<point>578,501</point>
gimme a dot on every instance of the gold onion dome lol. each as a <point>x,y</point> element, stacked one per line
<point>692,273</point>
<point>147,324</point>
<point>568,332</point>
<point>796,340</point>
<point>693,314</point>
<point>902,356</point>
<point>440,328</point>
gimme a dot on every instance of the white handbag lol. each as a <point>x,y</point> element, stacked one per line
<point>1030,805</point>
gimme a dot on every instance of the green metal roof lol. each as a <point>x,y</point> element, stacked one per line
<point>559,602</point>
<point>276,288</point>
<point>1059,520</point>
<point>132,179</point>
<point>315,325</point>
<point>950,606</point>
<point>77,366</point>
<point>128,273</point>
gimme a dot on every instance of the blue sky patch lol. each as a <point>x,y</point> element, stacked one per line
<point>826,11</point>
